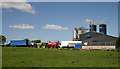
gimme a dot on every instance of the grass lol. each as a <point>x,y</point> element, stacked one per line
<point>34,57</point>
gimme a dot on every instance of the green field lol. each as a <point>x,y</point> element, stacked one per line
<point>34,57</point>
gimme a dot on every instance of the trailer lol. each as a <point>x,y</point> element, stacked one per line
<point>19,43</point>
<point>70,44</point>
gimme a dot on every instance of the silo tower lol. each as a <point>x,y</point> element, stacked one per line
<point>92,27</point>
<point>102,28</point>
<point>75,33</point>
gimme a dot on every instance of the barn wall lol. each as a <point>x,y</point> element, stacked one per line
<point>98,47</point>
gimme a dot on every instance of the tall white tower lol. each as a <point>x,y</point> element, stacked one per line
<point>75,33</point>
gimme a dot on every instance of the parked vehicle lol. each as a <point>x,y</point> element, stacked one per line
<point>53,44</point>
<point>68,44</point>
<point>7,45</point>
<point>42,45</point>
<point>20,43</point>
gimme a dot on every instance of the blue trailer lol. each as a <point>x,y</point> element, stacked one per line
<point>19,43</point>
<point>78,46</point>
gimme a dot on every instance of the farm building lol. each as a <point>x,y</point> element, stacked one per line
<point>97,40</point>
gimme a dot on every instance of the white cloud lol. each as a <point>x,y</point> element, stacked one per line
<point>88,20</point>
<point>56,27</point>
<point>23,6</point>
<point>21,26</point>
<point>32,34</point>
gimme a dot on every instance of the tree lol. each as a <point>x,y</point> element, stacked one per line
<point>2,39</point>
<point>118,43</point>
<point>36,41</point>
<point>26,39</point>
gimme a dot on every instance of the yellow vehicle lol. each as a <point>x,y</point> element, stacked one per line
<point>42,45</point>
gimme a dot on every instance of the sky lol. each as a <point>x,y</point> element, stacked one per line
<point>53,21</point>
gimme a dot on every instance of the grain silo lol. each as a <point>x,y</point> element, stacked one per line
<point>92,27</point>
<point>75,33</point>
<point>102,28</point>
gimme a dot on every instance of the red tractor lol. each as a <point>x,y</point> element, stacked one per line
<point>53,44</point>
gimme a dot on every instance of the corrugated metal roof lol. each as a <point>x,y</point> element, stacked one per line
<point>96,38</point>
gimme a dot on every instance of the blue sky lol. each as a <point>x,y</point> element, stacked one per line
<point>38,18</point>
